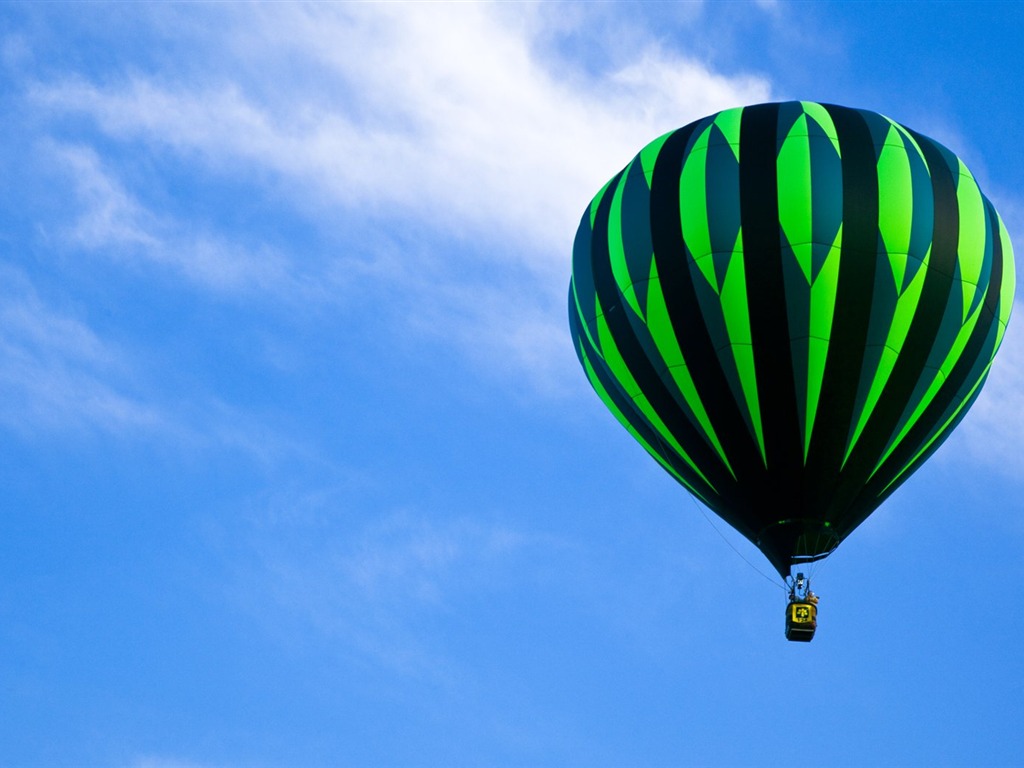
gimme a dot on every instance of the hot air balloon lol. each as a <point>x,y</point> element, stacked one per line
<point>790,306</point>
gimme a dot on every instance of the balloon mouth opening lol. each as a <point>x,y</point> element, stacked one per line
<point>798,540</point>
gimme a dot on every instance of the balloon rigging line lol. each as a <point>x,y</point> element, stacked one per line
<point>772,581</point>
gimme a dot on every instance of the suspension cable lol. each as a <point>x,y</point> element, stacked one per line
<point>772,581</point>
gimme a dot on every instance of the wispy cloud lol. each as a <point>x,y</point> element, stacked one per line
<point>376,586</point>
<point>990,434</point>
<point>111,221</point>
<point>443,113</point>
<point>56,372</point>
<point>460,122</point>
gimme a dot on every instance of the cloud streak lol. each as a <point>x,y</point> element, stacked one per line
<point>377,587</point>
<point>991,432</point>
<point>58,375</point>
<point>456,126</point>
<point>55,372</point>
<point>113,222</point>
<point>444,114</point>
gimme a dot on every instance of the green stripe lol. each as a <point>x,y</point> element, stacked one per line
<point>1009,281</point>
<point>823,305</point>
<point>736,312</point>
<point>693,207</point>
<point>895,203</point>
<point>616,246</point>
<point>609,403</point>
<point>660,326</point>
<point>621,373</point>
<point>821,116</point>
<point>938,433</point>
<point>973,237</point>
<point>903,316</point>
<point>796,194</point>
<point>728,122</point>
<point>649,155</point>
<point>937,381</point>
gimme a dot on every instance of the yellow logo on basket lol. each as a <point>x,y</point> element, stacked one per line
<point>802,613</point>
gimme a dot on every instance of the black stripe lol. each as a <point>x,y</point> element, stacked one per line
<point>769,324</point>
<point>878,493</point>
<point>694,339</point>
<point>636,360</point>
<point>852,315</point>
<point>627,406</point>
<point>954,383</point>
<point>913,356</point>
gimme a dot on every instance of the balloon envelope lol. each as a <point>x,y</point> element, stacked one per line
<point>790,306</point>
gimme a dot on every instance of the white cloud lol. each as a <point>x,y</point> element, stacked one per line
<point>110,216</point>
<point>113,222</point>
<point>442,113</point>
<point>457,118</point>
<point>404,558</point>
<point>375,588</point>
<point>379,586</point>
<point>991,432</point>
<point>56,372</point>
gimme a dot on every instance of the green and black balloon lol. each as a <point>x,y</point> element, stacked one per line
<point>790,306</point>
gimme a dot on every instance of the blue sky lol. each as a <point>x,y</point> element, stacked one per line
<point>297,465</point>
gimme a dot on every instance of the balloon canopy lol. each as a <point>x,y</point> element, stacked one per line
<point>790,306</point>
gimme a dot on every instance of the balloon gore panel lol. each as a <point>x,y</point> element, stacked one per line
<point>790,306</point>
